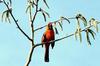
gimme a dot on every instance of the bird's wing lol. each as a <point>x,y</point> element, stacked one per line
<point>53,43</point>
<point>43,39</point>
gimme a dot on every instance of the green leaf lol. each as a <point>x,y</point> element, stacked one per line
<point>76,34</point>
<point>28,8</point>
<point>44,16</point>
<point>3,14</point>
<point>65,19</point>
<point>79,33</point>
<point>30,5</point>
<point>84,20</point>
<point>61,19</point>
<point>56,30</point>
<point>79,16</point>
<point>87,37</point>
<point>78,23</point>
<point>94,23</point>
<point>44,13</point>
<point>60,25</point>
<point>45,3</point>
<point>92,33</point>
<point>8,19</point>
<point>7,15</point>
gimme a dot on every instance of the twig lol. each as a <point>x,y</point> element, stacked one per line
<point>30,56</point>
<point>52,22</point>
<point>16,22</point>
<point>40,28</point>
<point>39,44</point>
<point>32,26</point>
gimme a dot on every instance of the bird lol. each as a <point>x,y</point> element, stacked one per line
<point>48,36</point>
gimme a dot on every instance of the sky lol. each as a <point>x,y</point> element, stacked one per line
<point>14,46</point>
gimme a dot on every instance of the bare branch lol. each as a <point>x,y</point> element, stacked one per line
<point>32,26</point>
<point>32,31</point>
<point>40,28</point>
<point>30,56</point>
<point>16,22</point>
<point>52,22</point>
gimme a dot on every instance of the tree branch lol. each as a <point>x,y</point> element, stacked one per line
<point>32,26</point>
<point>16,22</point>
<point>53,22</point>
<point>32,31</point>
<point>39,44</point>
<point>30,56</point>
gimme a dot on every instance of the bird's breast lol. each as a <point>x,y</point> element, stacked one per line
<point>49,35</point>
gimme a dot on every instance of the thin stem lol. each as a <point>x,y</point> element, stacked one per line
<point>32,42</point>
<point>32,25</point>
<point>16,22</point>
<point>53,22</point>
<point>40,28</point>
<point>30,56</point>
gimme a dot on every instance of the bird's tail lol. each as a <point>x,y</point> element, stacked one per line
<point>46,59</point>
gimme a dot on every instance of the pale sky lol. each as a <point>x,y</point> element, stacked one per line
<point>14,47</point>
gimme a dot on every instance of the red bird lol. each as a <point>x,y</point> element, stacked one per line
<point>46,38</point>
